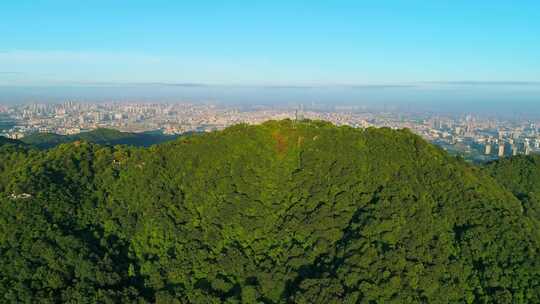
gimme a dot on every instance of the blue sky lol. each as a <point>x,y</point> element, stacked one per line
<point>61,42</point>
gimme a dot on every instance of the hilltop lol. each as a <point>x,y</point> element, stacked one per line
<point>283,212</point>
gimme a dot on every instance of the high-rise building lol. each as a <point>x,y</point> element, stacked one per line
<point>527,147</point>
<point>514,150</point>
<point>488,149</point>
<point>501,149</point>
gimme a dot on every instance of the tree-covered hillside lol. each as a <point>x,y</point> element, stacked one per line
<point>521,176</point>
<point>99,136</point>
<point>284,212</point>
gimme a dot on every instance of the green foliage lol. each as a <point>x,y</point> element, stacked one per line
<point>521,176</point>
<point>283,212</point>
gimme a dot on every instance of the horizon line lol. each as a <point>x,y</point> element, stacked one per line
<point>376,85</point>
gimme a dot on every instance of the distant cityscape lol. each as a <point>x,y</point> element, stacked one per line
<point>473,137</point>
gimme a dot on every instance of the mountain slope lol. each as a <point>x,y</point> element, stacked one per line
<point>283,212</point>
<point>521,176</point>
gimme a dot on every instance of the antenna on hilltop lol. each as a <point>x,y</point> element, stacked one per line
<point>300,113</point>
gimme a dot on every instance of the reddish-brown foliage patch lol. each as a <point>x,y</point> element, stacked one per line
<point>281,142</point>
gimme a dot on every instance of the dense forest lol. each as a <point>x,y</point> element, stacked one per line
<point>521,176</point>
<point>283,212</point>
<point>98,136</point>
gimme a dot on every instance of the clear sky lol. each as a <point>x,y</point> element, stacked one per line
<point>271,42</point>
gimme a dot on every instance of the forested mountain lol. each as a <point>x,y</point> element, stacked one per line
<point>98,136</point>
<point>283,212</point>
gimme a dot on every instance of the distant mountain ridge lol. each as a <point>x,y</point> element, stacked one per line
<point>99,136</point>
<point>5,140</point>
